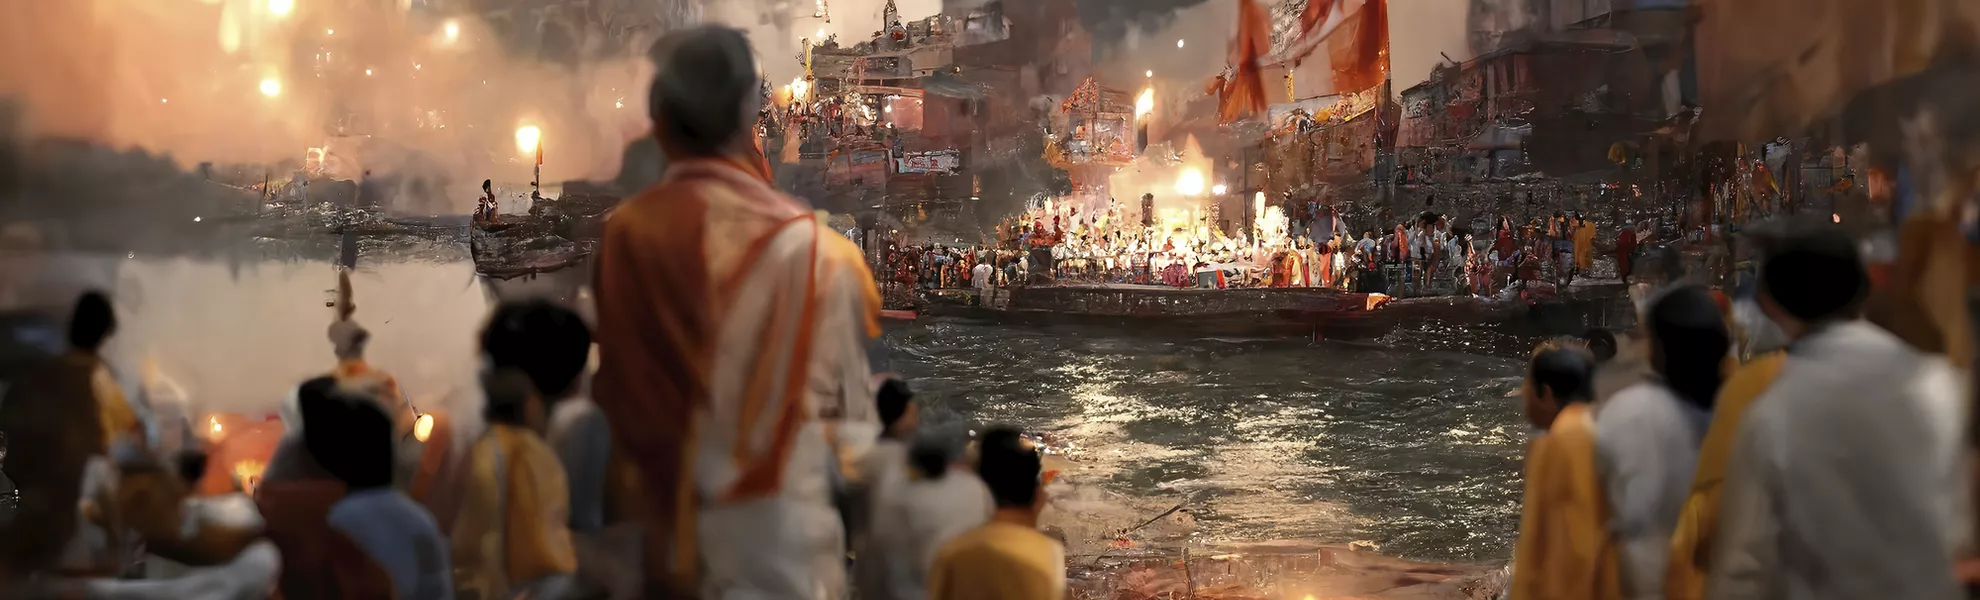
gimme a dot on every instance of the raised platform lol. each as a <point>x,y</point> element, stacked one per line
<point>1319,312</point>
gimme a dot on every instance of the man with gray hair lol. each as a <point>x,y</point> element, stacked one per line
<point>732,329</point>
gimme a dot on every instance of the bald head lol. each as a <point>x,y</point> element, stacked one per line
<point>705,91</point>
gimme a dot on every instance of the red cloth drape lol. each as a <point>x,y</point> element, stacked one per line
<point>1359,49</point>
<point>1244,94</point>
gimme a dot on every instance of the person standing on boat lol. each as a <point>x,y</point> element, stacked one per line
<point>488,207</point>
<point>732,334</point>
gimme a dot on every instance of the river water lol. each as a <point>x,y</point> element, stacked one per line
<point>1417,451</point>
<point>1414,450</point>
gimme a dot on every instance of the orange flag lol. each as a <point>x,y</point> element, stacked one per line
<point>1359,48</point>
<point>1314,15</point>
<point>1244,94</point>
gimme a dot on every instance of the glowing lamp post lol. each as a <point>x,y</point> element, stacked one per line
<point>529,140</point>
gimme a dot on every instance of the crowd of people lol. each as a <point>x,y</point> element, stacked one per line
<point>1803,452</point>
<point>1314,247</point>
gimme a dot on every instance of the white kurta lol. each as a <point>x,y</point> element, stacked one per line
<point>1842,480</point>
<point>790,383</point>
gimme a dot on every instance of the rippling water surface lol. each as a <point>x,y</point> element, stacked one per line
<point>1417,451</point>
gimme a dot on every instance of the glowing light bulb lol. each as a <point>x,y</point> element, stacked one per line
<point>271,87</point>
<point>416,68</point>
<point>1179,43</point>
<point>164,100</point>
<point>821,33</point>
<point>527,137</point>
<point>329,32</point>
<point>423,428</point>
<point>618,104</point>
<point>452,31</point>
<point>367,72</point>
<point>195,219</point>
<point>281,8</point>
<point>1151,72</point>
<point>1218,189</point>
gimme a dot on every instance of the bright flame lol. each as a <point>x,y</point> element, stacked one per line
<point>1179,43</point>
<point>248,474</point>
<point>423,428</point>
<point>1151,72</point>
<point>281,8</point>
<point>214,426</point>
<point>1145,103</point>
<point>367,72</point>
<point>1218,189</point>
<point>821,34</point>
<point>329,32</point>
<point>1190,183</point>
<point>1835,217</point>
<point>271,87</point>
<point>798,88</point>
<point>452,31</point>
<point>527,137</point>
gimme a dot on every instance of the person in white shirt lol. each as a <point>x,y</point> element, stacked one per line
<point>981,278</point>
<point>912,503</point>
<point>1846,479</point>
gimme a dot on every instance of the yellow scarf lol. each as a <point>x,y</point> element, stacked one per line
<point>1691,543</point>
<point>514,522</point>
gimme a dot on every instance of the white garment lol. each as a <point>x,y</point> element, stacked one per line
<point>1840,485</point>
<point>979,277</point>
<point>1646,448</point>
<point>909,519</point>
<point>807,556</point>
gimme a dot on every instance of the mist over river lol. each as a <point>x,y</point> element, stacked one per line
<point>1415,450</point>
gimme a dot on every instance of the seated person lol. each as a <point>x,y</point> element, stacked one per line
<point>318,560</point>
<point>355,442</point>
<point>512,533</point>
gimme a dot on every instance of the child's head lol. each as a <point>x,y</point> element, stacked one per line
<point>897,410</point>
<point>513,400</point>
<point>1556,377</point>
<point>548,343</point>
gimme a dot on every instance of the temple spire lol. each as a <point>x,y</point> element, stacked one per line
<point>889,15</point>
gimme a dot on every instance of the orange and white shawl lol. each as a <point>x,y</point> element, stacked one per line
<point>732,333</point>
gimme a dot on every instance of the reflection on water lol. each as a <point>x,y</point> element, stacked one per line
<point>1416,451</point>
<point>237,337</point>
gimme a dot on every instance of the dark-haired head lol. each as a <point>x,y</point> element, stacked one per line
<point>1689,343</point>
<point>1601,343</point>
<point>347,433</point>
<point>897,412</point>
<point>92,322</point>
<point>1556,376</point>
<point>511,399</point>
<point>930,457</point>
<point>705,92</point>
<point>545,341</point>
<point>1812,277</point>
<point>1011,467</point>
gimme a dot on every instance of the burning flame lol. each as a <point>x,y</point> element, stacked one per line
<point>1190,183</point>
<point>798,88</point>
<point>423,428</point>
<point>213,425</point>
<point>451,31</point>
<point>281,8</point>
<point>1145,103</point>
<point>248,474</point>
<point>271,87</point>
<point>527,137</point>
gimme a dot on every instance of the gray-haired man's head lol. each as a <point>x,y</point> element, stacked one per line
<point>705,92</point>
